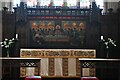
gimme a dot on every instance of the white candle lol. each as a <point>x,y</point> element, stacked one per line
<point>101,37</point>
<point>16,36</point>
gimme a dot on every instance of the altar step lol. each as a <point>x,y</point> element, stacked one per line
<point>105,78</point>
<point>43,79</point>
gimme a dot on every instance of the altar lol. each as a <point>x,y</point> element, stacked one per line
<point>57,62</point>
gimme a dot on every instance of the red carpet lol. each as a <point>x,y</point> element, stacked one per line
<point>89,78</point>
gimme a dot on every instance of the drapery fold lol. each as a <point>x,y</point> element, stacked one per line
<point>30,71</point>
<point>58,67</point>
<point>71,66</point>
<point>44,67</point>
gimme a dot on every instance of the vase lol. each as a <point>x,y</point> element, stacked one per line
<point>7,53</point>
<point>107,53</point>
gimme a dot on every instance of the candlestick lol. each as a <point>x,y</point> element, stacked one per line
<point>101,37</point>
<point>16,36</point>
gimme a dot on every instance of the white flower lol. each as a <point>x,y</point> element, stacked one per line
<point>10,40</point>
<point>7,46</point>
<point>6,39</point>
<point>1,43</point>
<point>13,39</point>
<point>7,42</point>
<point>109,42</point>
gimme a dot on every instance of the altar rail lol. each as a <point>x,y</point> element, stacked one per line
<point>58,62</point>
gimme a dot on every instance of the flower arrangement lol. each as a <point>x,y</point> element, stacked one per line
<point>7,42</point>
<point>109,43</point>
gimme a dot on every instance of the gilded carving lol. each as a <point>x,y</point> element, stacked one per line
<point>57,53</point>
<point>63,54</point>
